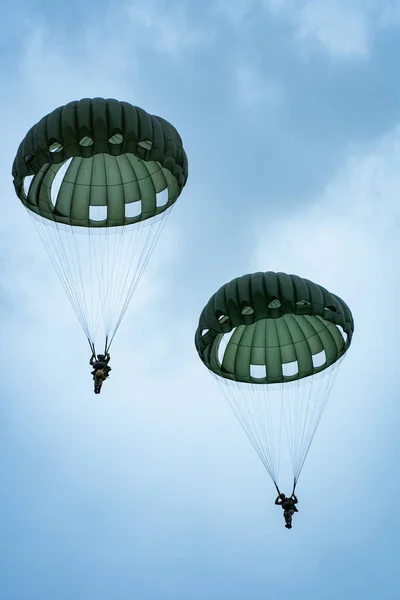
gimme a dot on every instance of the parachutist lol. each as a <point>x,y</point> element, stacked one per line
<point>258,335</point>
<point>100,371</point>
<point>289,507</point>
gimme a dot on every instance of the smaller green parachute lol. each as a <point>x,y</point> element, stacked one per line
<point>273,341</point>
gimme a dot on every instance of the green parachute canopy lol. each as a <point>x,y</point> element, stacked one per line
<point>111,154</point>
<point>99,177</point>
<point>261,335</point>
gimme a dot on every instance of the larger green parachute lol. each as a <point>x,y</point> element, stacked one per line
<point>100,177</point>
<point>274,342</point>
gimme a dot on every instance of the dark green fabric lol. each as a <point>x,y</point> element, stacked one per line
<point>120,154</point>
<point>278,320</point>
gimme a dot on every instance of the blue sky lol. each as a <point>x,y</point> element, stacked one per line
<point>290,115</point>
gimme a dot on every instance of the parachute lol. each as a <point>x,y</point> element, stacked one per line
<point>274,343</point>
<point>100,177</point>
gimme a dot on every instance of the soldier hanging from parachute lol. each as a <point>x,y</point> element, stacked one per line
<point>273,342</point>
<point>99,178</point>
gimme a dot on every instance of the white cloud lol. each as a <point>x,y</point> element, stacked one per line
<point>276,7</point>
<point>253,88</point>
<point>236,11</point>
<point>166,28</point>
<point>389,15</point>
<point>353,224</point>
<point>53,74</point>
<point>344,28</point>
<point>108,56</point>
